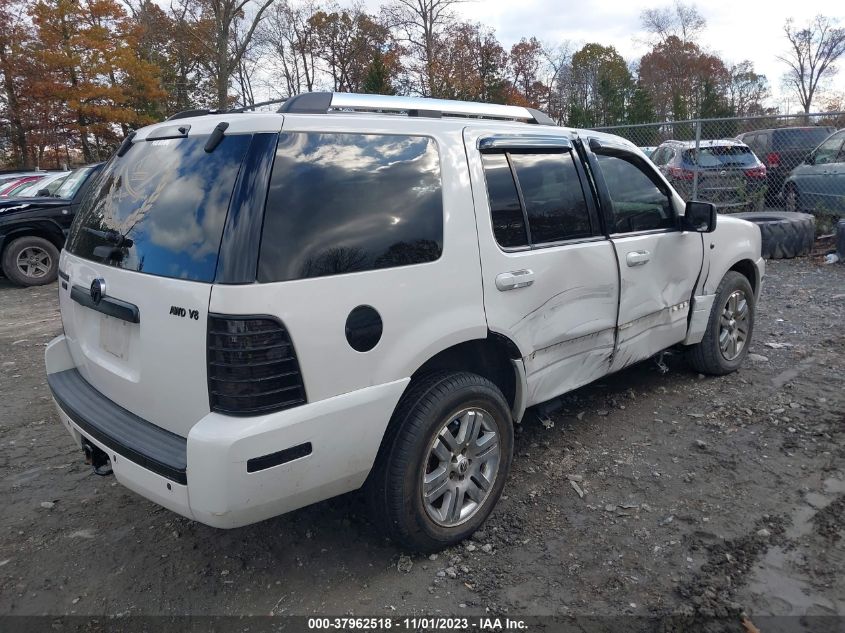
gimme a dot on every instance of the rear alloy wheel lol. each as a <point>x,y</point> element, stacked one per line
<point>729,328</point>
<point>31,261</point>
<point>461,468</point>
<point>443,462</point>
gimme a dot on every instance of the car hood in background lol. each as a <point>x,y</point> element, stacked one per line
<point>16,205</point>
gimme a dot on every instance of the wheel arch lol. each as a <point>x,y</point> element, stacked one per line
<point>748,269</point>
<point>496,358</point>
<point>45,230</point>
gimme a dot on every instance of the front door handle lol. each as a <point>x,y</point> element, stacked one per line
<point>515,279</point>
<point>637,258</point>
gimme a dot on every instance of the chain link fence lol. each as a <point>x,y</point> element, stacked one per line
<point>786,163</point>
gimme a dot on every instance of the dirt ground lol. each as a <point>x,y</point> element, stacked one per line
<point>702,497</point>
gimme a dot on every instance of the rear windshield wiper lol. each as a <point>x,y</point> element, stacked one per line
<point>116,238</point>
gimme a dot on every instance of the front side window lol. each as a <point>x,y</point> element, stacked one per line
<point>160,208</point>
<point>637,202</point>
<point>552,198</point>
<point>344,203</point>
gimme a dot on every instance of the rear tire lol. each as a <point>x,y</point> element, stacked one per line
<point>444,461</point>
<point>715,355</point>
<point>784,235</point>
<point>31,261</point>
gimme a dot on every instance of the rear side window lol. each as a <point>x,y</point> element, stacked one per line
<point>160,208</point>
<point>505,210</point>
<point>343,203</point>
<point>542,188</point>
<point>800,138</point>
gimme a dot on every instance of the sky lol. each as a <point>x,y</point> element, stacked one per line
<point>736,30</point>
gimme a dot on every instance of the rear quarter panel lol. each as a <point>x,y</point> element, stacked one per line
<point>425,308</point>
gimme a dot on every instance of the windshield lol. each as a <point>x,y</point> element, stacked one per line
<point>161,207</point>
<point>73,181</point>
<point>50,183</point>
<point>721,157</point>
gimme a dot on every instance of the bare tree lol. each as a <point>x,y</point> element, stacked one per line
<point>680,20</point>
<point>421,24</point>
<point>813,52</point>
<point>221,38</point>
<point>746,90</point>
<point>290,35</point>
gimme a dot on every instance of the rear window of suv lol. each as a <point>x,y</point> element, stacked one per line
<point>343,203</point>
<point>160,208</point>
<point>721,157</point>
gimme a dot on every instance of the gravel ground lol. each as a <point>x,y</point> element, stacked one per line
<point>649,493</point>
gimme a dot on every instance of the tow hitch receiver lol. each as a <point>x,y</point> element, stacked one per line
<point>98,459</point>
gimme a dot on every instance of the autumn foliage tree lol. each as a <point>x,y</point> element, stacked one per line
<point>88,63</point>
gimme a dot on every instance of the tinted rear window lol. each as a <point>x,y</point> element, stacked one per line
<point>721,156</point>
<point>343,203</point>
<point>554,200</point>
<point>161,207</point>
<point>800,138</point>
<point>505,210</point>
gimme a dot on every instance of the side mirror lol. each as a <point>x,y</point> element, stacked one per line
<point>699,217</point>
<point>811,158</point>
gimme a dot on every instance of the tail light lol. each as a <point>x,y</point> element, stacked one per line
<point>681,174</point>
<point>252,366</point>
<point>756,172</point>
<point>772,160</point>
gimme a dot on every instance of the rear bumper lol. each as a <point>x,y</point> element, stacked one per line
<point>216,474</point>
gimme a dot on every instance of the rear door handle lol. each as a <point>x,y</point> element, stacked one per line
<point>637,258</point>
<point>515,279</point>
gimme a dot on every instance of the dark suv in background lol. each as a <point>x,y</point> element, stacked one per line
<point>729,174</point>
<point>782,150</point>
<point>33,230</point>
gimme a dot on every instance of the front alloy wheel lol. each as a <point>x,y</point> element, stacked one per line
<point>34,262</point>
<point>729,328</point>
<point>733,326</point>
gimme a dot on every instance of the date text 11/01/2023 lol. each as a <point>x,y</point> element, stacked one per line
<point>418,624</point>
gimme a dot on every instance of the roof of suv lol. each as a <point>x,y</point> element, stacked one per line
<point>348,110</point>
<point>724,142</point>
<point>797,127</point>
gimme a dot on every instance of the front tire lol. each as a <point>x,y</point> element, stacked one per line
<point>790,199</point>
<point>31,261</point>
<point>729,329</point>
<point>444,461</point>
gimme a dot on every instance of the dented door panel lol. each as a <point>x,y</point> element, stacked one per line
<point>655,296</point>
<point>563,322</point>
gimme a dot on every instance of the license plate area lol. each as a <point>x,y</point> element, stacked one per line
<point>114,336</point>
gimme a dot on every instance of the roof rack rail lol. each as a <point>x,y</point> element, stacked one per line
<point>185,114</point>
<point>326,102</point>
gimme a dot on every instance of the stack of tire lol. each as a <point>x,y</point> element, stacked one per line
<point>785,234</point>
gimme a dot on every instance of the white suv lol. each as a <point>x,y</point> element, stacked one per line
<point>265,310</point>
